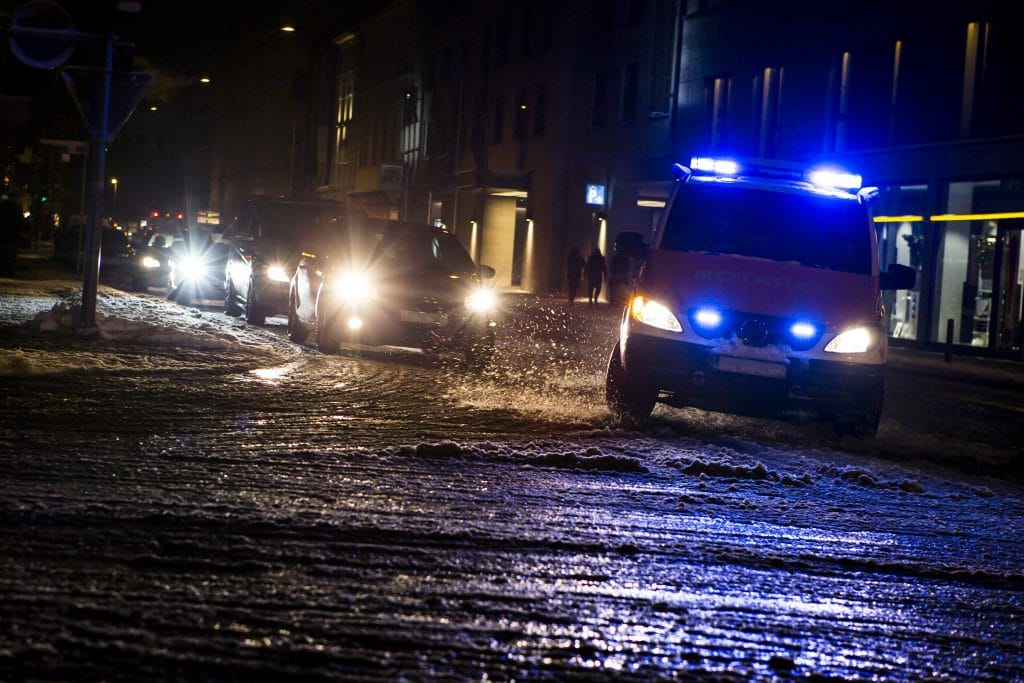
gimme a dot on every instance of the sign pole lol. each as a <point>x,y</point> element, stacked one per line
<point>94,220</point>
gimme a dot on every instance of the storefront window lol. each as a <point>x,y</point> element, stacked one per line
<point>979,274</point>
<point>901,221</point>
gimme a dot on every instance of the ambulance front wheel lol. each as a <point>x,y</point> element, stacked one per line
<point>630,401</point>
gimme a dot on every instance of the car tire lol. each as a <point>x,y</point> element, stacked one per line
<point>298,332</point>
<point>631,404</point>
<point>254,313</point>
<point>327,341</point>
<point>231,306</point>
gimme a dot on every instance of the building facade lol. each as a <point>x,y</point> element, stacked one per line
<point>530,127</point>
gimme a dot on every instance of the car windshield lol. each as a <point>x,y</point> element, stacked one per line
<point>290,223</point>
<point>814,231</point>
<point>426,251</point>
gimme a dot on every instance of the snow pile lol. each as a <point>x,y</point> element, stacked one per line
<point>130,332</point>
<point>554,455</point>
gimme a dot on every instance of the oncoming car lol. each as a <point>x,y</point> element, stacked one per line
<point>384,282</point>
<point>761,293</point>
<point>264,247</point>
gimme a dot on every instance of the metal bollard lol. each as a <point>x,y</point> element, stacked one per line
<point>949,340</point>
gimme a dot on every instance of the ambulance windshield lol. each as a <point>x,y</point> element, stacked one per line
<point>814,231</point>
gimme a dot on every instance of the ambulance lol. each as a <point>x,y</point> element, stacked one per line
<point>760,294</point>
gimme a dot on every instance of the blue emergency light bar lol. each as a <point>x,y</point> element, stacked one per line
<point>823,176</point>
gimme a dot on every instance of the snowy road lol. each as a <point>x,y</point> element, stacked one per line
<point>265,512</point>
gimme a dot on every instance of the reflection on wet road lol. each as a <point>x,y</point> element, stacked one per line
<point>386,516</point>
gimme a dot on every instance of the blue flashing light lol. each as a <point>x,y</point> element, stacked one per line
<point>830,177</point>
<point>707,318</point>
<point>716,166</point>
<point>803,330</point>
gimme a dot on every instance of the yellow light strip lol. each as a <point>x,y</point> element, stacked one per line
<point>947,217</point>
<point>898,219</point>
<point>976,216</point>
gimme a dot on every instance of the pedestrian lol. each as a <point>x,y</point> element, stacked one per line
<point>574,265</point>
<point>596,271</point>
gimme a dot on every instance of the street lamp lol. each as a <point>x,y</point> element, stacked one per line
<point>113,181</point>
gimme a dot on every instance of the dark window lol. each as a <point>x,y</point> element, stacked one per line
<point>636,12</point>
<point>497,130</point>
<point>547,18</point>
<point>630,90</point>
<point>298,83</point>
<point>410,107</point>
<point>600,98</point>
<point>814,231</point>
<point>526,31</point>
<point>521,116</point>
<point>540,114</point>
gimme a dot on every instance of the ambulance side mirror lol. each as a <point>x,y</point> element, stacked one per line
<point>898,277</point>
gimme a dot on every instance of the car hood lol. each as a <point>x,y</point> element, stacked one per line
<point>762,287</point>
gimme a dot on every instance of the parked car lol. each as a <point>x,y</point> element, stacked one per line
<point>380,282</point>
<point>263,249</point>
<point>761,292</point>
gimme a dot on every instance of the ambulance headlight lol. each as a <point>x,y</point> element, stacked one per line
<point>654,314</point>
<point>855,340</point>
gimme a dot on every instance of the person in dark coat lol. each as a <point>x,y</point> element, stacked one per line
<point>596,271</point>
<point>574,265</point>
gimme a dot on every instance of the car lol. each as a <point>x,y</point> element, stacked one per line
<point>197,268</point>
<point>761,293</point>
<point>150,261</point>
<point>385,282</point>
<point>263,251</point>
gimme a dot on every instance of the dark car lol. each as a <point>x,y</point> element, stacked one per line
<point>263,249</point>
<point>383,282</point>
<point>150,261</point>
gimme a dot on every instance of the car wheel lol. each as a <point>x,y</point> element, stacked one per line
<point>327,341</point>
<point>254,313</point>
<point>231,306</point>
<point>298,332</point>
<point>631,404</point>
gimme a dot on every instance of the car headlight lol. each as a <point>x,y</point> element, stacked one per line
<point>353,286</point>
<point>654,314</point>
<point>277,274</point>
<point>481,300</point>
<point>150,262</point>
<point>855,340</point>
<point>190,268</point>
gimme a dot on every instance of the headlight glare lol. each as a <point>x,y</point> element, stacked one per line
<point>150,262</point>
<point>481,301</point>
<point>277,274</point>
<point>654,314</point>
<point>854,340</point>
<point>190,268</point>
<point>353,286</point>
